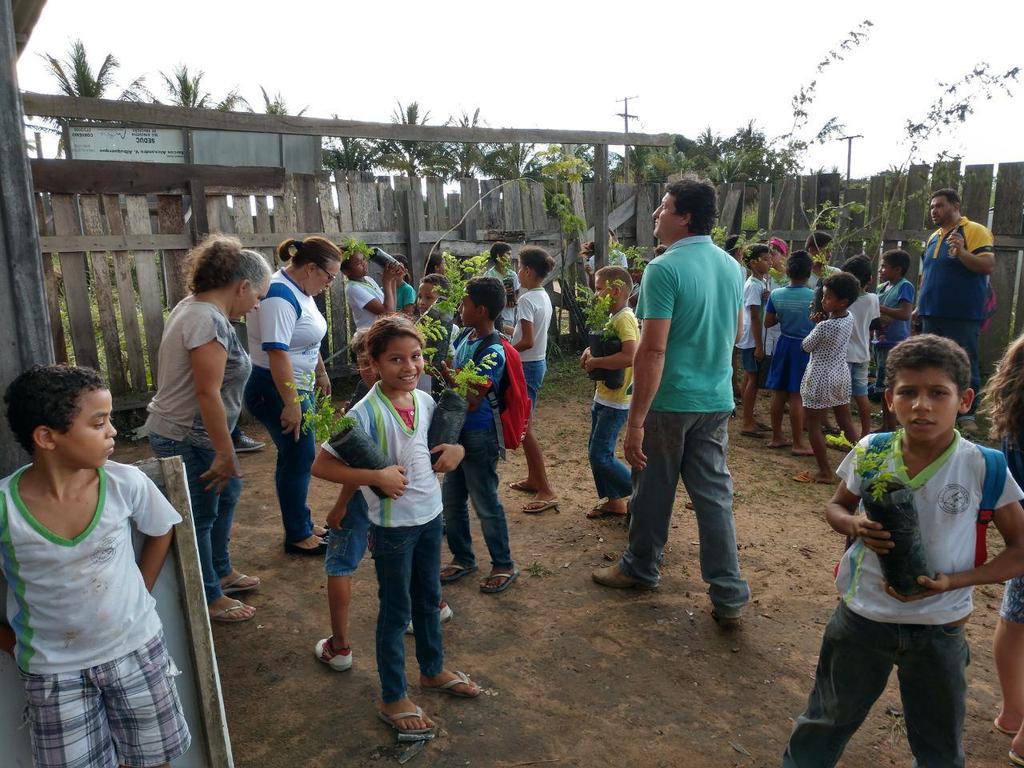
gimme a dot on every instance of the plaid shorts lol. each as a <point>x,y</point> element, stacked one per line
<point>125,712</point>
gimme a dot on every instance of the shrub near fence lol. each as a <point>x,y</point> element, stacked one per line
<point>115,248</point>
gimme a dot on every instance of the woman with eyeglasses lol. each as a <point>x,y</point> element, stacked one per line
<point>285,332</point>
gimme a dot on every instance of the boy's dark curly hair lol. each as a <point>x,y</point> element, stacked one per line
<point>929,351</point>
<point>47,396</point>
<point>843,286</point>
<point>860,267</point>
<point>487,292</point>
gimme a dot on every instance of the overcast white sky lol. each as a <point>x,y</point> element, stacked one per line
<point>564,64</point>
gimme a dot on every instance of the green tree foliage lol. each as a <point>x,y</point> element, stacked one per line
<point>276,105</point>
<point>510,161</point>
<point>185,89</point>
<point>463,160</point>
<point>413,158</point>
<point>357,155</point>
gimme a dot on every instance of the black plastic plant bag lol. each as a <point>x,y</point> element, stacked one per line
<point>603,347</point>
<point>898,515</point>
<point>448,420</point>
<point>357,449</point>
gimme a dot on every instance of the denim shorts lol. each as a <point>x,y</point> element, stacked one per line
<point>347,545</point>
<point>858,379</point>
<point>750,364</point>
<point>1012,608</point>
<point>533,372</point>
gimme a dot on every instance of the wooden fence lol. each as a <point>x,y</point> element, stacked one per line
<point>114,235</point>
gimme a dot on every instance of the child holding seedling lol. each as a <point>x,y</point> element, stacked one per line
<point>826,381</point>
<point>531,341</point>
<point>752,342</point>
<point>476,478</point>
<point>434,287</point>
<point>789,308</point>
<point>611,406</point>
<point>1003,404</point>
<point>499,266</point>
<point>895,305</point>
<point>84,630</point>
<point>405,294</point>
<point>366,298</point>
<point>875,627</point>
<point>864,312</point>
<point>406,524</point>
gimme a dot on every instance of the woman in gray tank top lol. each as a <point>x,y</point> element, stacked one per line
<point>201,376</point>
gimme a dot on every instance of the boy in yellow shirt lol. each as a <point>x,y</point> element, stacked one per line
<point>611,406</point>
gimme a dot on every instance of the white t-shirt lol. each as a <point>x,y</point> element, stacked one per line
<point>534,307</point>
<point>421,501</point>
<point>287,318</point>
<point>508,314</point>
<point>752,290</point>
<point>947,495</point>
<point>863,310</point>
<point>616,258</point>
<point>78,603</point>
<point>360,293</point>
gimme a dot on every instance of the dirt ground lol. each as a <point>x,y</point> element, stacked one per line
<point>574,674</point>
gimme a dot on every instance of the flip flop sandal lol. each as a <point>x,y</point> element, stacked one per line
<point>601,511</point>
<point>460,571</point>
<point>541,505</point>
<point>509,578</point>
<point>461,678</point>
<point>752,433</point>
<point>1000,728</point>
<point>521,486</point>
<point>236,586</point>
<point>230,615</point>
<point>777,446</point>
<point>392,720</point>
<point>807,477</point>
<point>1015,758</point>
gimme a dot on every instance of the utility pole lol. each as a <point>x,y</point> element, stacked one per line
<point>626,117</point>
<point>849,153</point>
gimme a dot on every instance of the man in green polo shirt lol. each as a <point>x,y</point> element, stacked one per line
<point>690,301</point>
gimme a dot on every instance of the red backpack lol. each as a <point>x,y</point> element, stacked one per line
<point>511,403</point>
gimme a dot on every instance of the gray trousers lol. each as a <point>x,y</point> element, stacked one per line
<point>692,446</point>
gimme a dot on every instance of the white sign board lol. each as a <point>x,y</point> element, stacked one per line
<point>150,145</point>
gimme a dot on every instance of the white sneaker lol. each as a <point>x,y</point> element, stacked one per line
<point>446,615</point>
<point>339,661</point>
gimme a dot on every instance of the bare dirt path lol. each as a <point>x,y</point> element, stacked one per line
<point>574,674</point>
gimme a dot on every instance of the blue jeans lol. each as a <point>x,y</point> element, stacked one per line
<point>476,478</point>
<point>533,372</point>
<point>212,512</point>
<point>694,446</point>
<point>612,478</point>
<point>294,457</point>
<point>966,334</point>
<point>408,564</point>
<point>856,657</point>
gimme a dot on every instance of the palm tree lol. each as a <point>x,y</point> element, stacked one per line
<point>276,105</point>
<point>509,161</point>
<point>464,159</point>
<point>186,90</point>
<point>342,154</point>
<point>76,77</point>
<point>414,158</point>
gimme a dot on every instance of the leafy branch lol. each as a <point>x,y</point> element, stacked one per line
<point>321,419</point>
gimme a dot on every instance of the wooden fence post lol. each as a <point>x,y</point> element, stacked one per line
<point>412,210</point>
<point>600,206</point>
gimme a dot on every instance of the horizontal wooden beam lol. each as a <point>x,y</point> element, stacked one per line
<point>78,243</point>
<point>48,105</point>
<point>135,178</point>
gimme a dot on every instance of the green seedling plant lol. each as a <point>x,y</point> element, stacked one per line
<point>472,377</point>
<point>839,441</point>
<point>597,310</point>
<point>353,246</point>
<point>871,466</point>
<point>636,257</point>
<point>321,419</point>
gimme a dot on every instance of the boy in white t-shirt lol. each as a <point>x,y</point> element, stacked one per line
<point>874,627</point>
<point>752,343</point>
<point>531,341</point>
<point>858,354</point>
<point>367,300</point>
<point>83,625</point>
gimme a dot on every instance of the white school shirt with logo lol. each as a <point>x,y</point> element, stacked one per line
<point>947,494</point>
<point>78,603</point>
<point>864,311</point>
<point>421,501</point>
<point>287,318</point>
<point>360,293</point>
<point>534,307</point>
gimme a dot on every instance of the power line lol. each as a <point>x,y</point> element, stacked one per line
<point>626,117</point>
